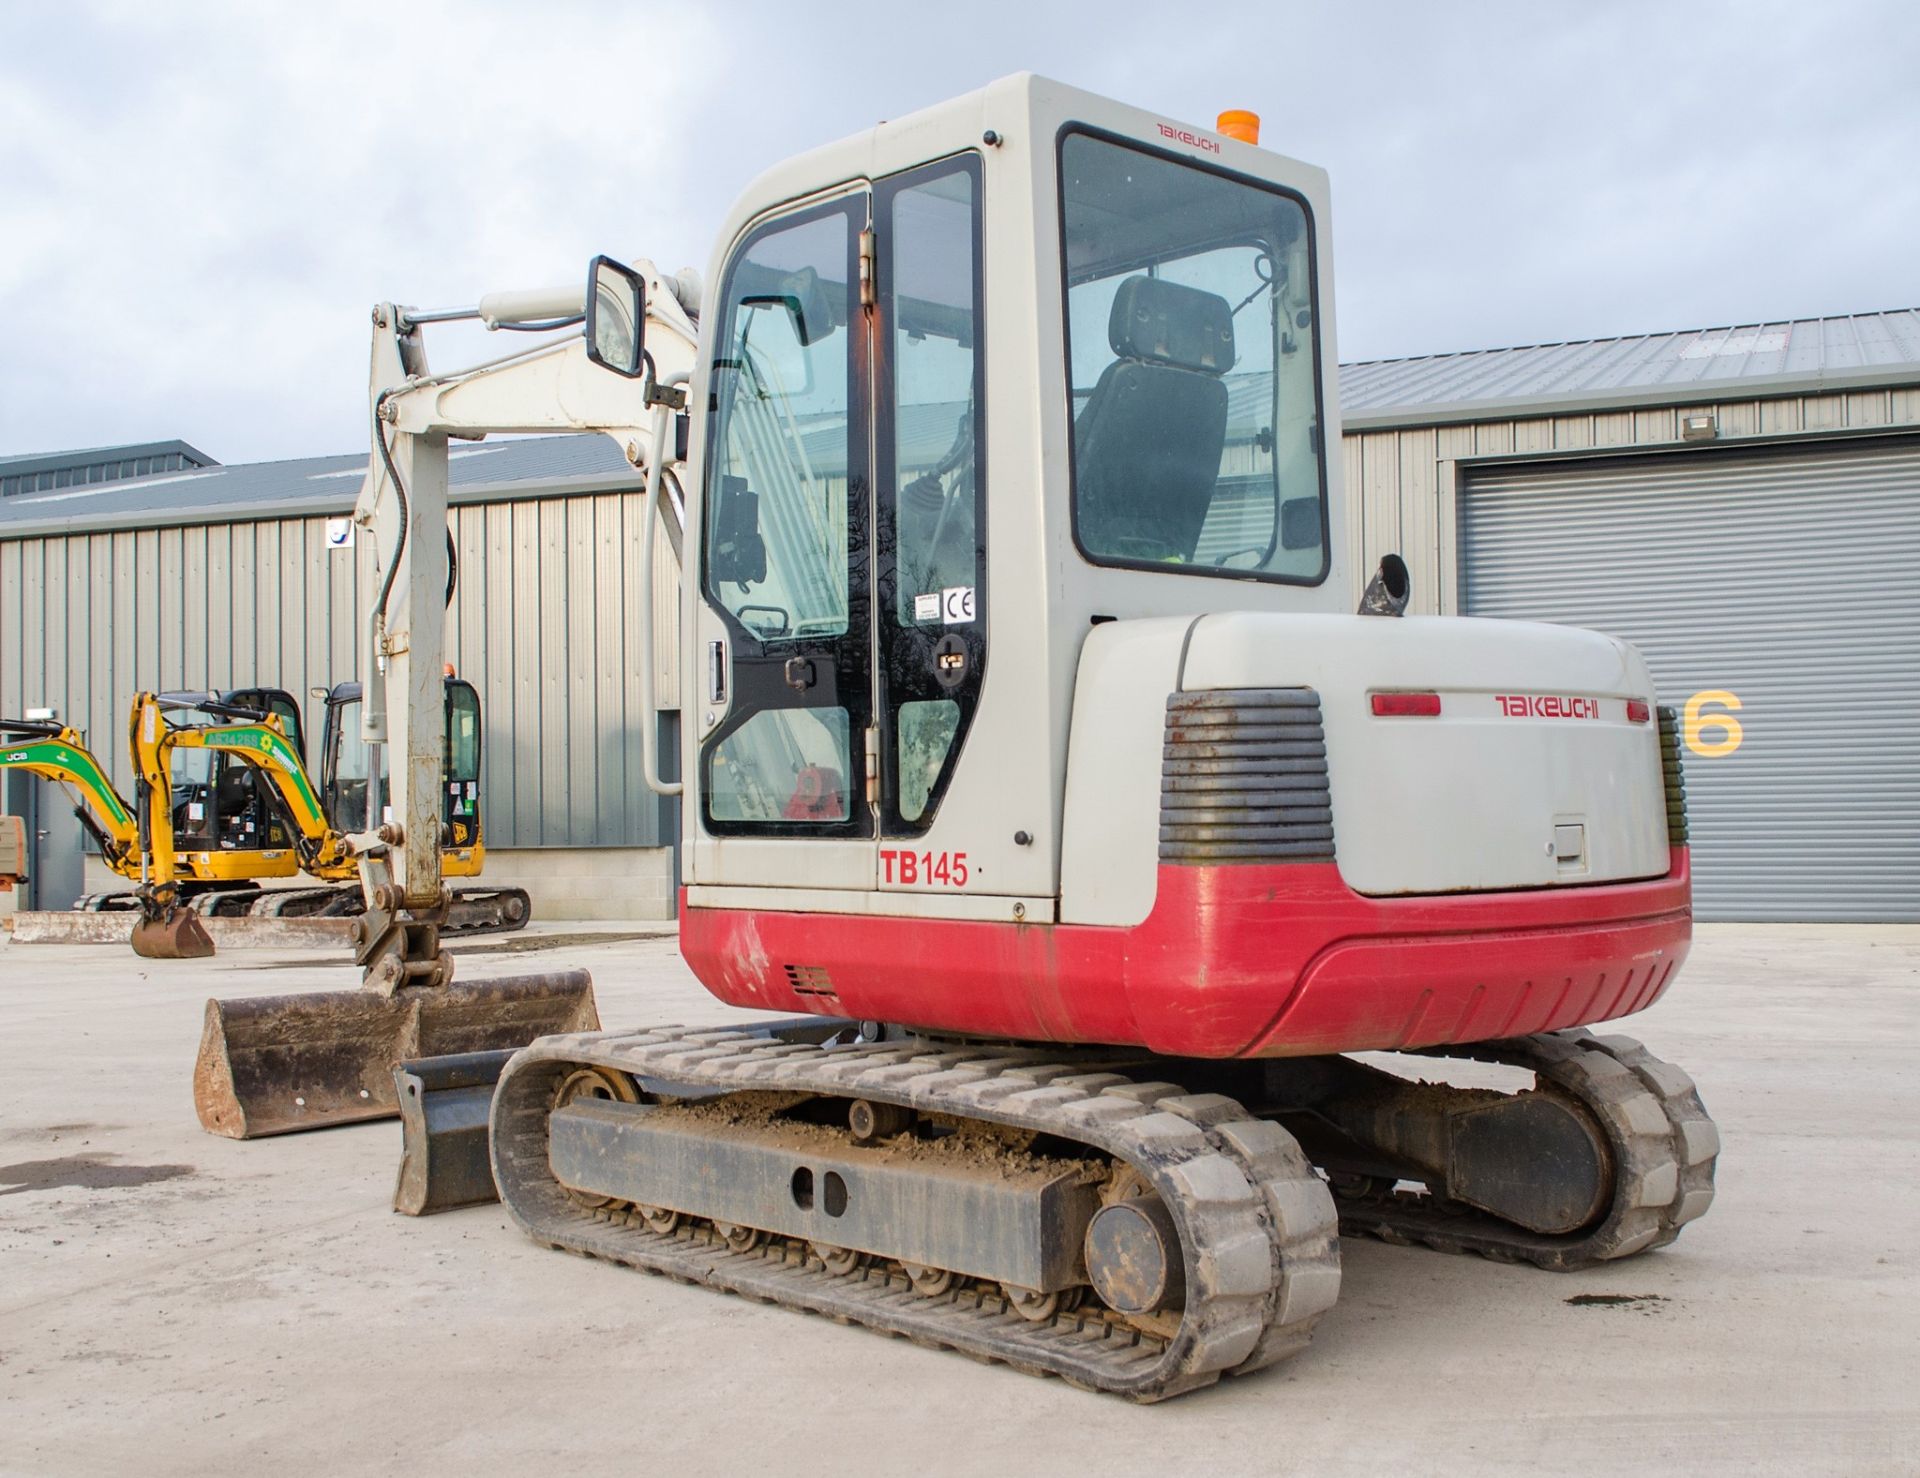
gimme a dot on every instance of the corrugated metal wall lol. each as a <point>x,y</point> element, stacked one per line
<point>544,624</point>
<point>1401,483</point>
<point>545,619</point>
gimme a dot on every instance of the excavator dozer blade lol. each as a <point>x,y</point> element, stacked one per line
<point>444,1101</point>
<point>179,937</point>
<point>445,1162</point>
<point>283,1064</point>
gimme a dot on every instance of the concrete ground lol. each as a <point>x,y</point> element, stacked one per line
<point>176,1303</point>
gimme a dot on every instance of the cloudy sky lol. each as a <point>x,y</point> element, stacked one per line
<point>199,200</point>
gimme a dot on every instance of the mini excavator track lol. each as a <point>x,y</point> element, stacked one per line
<point>1250,1221</point>
<point>476,910</point>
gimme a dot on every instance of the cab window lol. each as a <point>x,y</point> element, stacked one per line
<point>1192,366</point>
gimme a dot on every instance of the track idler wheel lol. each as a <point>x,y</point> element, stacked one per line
<point>609,1087</point>
<point>176,934</point>
<point>1133,1256</point>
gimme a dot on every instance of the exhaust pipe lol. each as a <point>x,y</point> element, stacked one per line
<point>1386,593</point>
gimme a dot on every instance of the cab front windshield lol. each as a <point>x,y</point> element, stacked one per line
<point>1192,365</point>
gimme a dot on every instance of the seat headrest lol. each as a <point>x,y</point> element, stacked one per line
<point>1169,323</point>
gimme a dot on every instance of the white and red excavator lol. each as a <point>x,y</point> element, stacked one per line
<point>1038,739</point>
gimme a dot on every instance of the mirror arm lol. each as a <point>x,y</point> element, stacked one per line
<point>664,402</point>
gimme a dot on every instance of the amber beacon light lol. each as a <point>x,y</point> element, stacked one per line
<point>1238,123</point>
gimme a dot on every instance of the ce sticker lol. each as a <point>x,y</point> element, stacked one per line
<point>956,604</point>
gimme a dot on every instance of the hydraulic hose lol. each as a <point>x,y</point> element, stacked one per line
<point>400,493</point>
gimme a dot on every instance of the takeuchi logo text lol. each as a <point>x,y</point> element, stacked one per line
<point>1188,137</point>
<point>1546,705</point>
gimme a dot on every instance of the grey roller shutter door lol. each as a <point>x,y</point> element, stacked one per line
<point>1788,577</point>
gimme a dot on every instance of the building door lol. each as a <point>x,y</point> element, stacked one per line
<point>1772,593</point>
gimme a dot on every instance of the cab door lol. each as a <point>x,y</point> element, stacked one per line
<point>843,542</point>
<point>930,617</point>
<point>786,558</point>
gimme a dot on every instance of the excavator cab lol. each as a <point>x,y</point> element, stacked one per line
<point>1024,619</point>
<point>345,774</point>
<point>220,802</point>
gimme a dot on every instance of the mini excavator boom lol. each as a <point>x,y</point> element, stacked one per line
<point>276,1065</point>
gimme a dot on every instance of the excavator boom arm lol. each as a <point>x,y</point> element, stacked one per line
<point>556,386</point>
<point>65,759</point>
<point>268,750</point>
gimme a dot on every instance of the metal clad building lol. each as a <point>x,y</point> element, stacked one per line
<point>229,576</point>
<point>103,464</point>
<point>1743,504</point>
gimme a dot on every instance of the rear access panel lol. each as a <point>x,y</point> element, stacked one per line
<point>1461,756</point>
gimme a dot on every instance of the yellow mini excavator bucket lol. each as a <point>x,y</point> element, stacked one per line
<point>175,934</point>
<point>282,1064</point>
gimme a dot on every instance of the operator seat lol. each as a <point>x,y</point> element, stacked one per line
<point>239,785</point>
<point>1147,445</point>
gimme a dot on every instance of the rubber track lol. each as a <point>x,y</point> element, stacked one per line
<point>1257,1223</point>
<point>1663,1139</point>
<point>474,904</point>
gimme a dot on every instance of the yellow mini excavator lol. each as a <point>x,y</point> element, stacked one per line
<point>258,753</point>
<point>225,841</point>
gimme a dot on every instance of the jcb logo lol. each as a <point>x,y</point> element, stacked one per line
<point>1708,729</point>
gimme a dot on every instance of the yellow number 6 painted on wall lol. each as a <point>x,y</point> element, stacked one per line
<point>1694,723</point>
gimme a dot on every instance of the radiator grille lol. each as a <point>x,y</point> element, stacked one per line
<point>1673,776</point>
<point>1243,778</point>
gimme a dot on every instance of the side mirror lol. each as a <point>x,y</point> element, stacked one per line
<point>616,317</point>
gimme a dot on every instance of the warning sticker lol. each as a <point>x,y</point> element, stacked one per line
<point>956,605</point>
<point>927,607</point>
